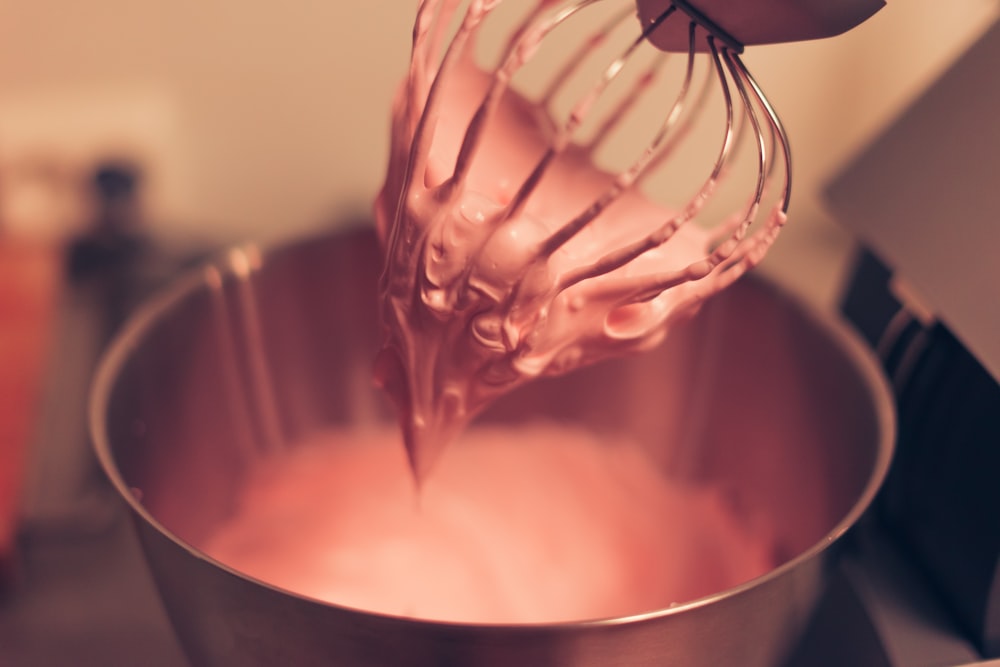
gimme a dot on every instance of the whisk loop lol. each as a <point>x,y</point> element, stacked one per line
<point>508,252</point>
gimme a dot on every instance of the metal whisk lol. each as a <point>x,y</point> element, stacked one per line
<point>509,253</point>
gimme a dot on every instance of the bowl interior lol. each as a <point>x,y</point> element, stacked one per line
<point>754,394</point>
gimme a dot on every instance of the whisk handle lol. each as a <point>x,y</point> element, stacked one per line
<point>749,22</point>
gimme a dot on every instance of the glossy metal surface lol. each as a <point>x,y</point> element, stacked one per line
<point>753,22</point>
<point>787,412</point>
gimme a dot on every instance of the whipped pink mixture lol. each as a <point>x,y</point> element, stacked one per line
<point>540,524</point>
<point>508,253</point>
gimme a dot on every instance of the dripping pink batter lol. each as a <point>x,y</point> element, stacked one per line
<point>540,524</point>
<point>481,294</point>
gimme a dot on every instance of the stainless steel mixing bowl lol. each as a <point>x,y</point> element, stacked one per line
<point>780,406</point>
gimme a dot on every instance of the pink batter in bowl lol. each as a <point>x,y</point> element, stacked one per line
<point>776,414</point>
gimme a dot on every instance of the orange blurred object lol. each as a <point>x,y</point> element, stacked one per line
<point>29,279</point>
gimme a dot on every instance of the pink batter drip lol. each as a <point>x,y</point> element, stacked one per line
<point>532,525</point>
<point>482,290</point>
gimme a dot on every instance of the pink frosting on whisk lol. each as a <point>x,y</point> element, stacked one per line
<point>508,254</point>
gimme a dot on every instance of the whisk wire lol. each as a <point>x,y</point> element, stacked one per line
<point>520,52</point>
<point>619,257</point>
<point>563,135</point>
<point>487,287</point>
<point>723,60</point>
<point>777,129</point>
<point>563,74</point>
<point>735,255</point>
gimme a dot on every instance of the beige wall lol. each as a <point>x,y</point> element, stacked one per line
<point>264,119</point>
